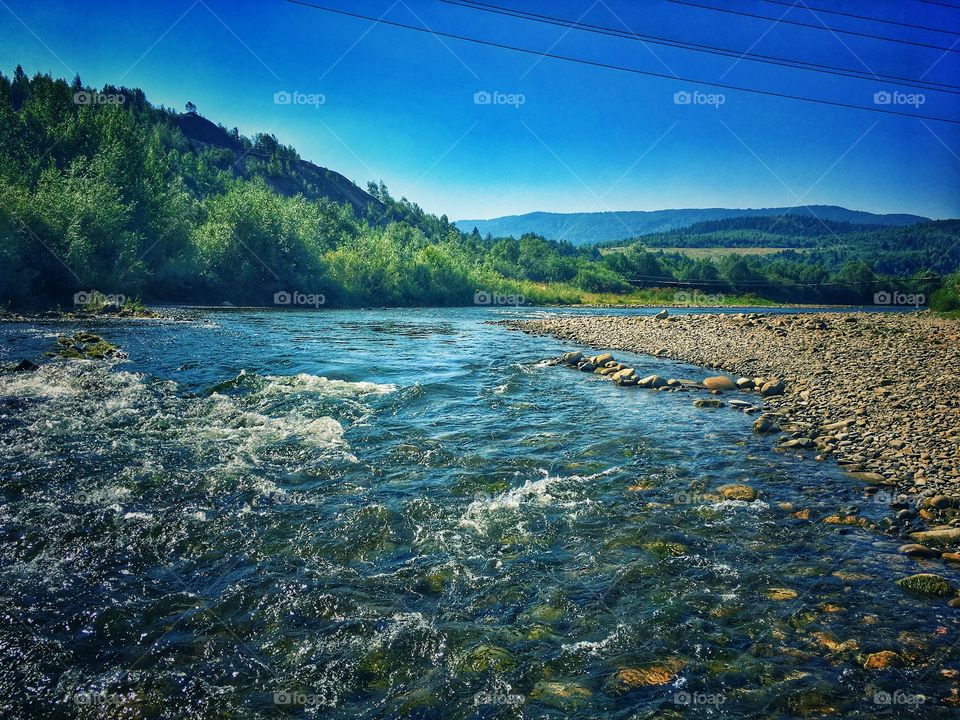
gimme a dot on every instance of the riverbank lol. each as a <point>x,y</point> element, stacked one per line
<point>880,393</point>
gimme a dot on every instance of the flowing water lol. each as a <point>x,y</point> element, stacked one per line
<point>407,513</point>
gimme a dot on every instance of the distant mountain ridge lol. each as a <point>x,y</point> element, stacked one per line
<point>597,227</point>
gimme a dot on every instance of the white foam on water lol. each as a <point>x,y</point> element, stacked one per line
<point>549,490</point>
<point>252,429</point>
<point>304,382</point>
<point>594,648</point>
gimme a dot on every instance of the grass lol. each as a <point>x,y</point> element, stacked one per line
<point>562,294</point>
<point>710,253</point>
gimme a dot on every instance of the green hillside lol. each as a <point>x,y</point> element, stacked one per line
<point>102,190</point>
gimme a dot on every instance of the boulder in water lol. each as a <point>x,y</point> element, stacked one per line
<point>25,366</point>
<point>737,491</point>
<point>652,381</point>
<point>711,403</point>
<point>719,382</point>
<point>926,584</point>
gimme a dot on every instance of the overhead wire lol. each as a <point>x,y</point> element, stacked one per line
<point>699,47</point>
<point>621,68</point>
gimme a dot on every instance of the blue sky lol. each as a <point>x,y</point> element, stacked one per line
<point>400,105</point>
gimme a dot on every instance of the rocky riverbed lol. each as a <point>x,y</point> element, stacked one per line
<point>878,393</point>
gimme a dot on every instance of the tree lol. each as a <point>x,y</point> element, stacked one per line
<point>191,108</point>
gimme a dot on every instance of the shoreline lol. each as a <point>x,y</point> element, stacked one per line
<point>170,312</point>
<point>877,393</point>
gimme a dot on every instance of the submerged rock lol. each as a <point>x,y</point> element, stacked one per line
<point>646,675</point>
<point>917,550</point>
<point>25,366</point>
<point>737,491</point>
<point>561,695</point>
<point>703,402</point>
<point>491,657</point>
<point>880,660</point>
<point>926,584</point>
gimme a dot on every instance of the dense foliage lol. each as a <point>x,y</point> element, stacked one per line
<point>104,191</point>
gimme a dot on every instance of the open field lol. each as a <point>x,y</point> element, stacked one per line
<point>709,253</point>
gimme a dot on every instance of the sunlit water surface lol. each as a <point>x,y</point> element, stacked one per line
<point>407,513</point>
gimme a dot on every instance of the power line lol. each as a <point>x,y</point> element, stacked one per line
<point>697,47</point>
<point>609,66</point>
<point>812,9</point>
<point>815,27</point>
<point>942,4</point>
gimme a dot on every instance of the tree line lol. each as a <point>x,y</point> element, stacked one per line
<point>102,190</point>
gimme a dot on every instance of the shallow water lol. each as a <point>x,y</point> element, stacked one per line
<point>406,513</point>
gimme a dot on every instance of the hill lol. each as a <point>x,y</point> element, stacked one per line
<point>136,200</point>
<point>601,227</point>
<point>302,176</point>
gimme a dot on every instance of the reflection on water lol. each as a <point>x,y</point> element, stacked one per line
<point>406,513</point>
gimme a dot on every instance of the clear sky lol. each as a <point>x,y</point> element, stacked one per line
<point>400,105</point>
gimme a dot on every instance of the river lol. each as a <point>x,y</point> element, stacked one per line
<point>408,513</point>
